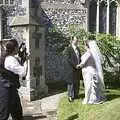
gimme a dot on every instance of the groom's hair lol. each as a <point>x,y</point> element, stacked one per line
<point>72,38</point>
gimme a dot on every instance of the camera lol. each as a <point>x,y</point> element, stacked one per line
<point>22,53</point>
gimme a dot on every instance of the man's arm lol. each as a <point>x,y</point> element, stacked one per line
<point>85,58</point>
<point>70,57</point>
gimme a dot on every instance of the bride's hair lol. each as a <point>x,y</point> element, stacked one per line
<point>87,43</point>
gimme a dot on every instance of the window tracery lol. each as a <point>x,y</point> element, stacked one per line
<point>105,17</point>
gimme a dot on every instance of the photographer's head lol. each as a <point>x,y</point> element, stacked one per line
<point>12,47</point>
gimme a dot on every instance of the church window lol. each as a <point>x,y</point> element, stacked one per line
<point>112,23</point>
<point>102,16</point>
<point>11,1</point>
<point>6,2</point>
<point>92,16</point>
<point>1,1</point>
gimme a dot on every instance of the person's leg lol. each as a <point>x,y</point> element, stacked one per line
<point>4,103</point>
<point>76,84</point>
<point>70,91</point>
<point>16,111</point>
<point>76,89</point>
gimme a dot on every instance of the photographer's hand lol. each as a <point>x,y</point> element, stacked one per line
<point>27,57</point>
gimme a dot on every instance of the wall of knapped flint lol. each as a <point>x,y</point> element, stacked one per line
<point>61,13</point>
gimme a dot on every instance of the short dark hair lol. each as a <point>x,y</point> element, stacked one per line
<point>11,45</point>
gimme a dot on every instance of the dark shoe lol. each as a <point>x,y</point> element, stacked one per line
<point>70,99</point>
<point>77,97</point>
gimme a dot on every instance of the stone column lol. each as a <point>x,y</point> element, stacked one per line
<point>97,16</point>
<point>37,62</point>
<point>108,12</point>
<point>34,86</point>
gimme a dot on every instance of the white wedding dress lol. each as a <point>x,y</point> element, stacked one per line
<point>93,82</point>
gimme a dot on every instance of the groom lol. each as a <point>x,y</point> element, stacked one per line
<point>73,59</point>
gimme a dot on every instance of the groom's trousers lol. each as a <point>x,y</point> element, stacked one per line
<point>70,89</point>
<point>73,90</point>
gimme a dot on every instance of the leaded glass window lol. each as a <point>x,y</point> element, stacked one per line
<point>11,1</point>
<point>92,16</point>
<point>112,23</point>
<point>7,2</point>
<point>1,2</point>
<point>102,17</point>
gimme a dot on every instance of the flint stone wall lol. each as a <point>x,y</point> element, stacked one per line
<point>61,13</point>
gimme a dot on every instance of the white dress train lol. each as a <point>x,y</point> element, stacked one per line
<point>93,93</point>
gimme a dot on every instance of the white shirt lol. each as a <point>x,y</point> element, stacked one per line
<point>76,52</point>
<point>12,64</point>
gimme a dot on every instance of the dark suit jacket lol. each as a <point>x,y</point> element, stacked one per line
<point>73,75</point>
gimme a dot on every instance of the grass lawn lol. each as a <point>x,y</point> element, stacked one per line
<point>109,110</point>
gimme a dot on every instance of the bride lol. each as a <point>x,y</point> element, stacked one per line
<point>92,73</point>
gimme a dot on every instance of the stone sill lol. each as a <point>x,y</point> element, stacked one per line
<point>58,5</point>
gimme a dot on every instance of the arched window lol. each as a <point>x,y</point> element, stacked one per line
<point>112,18</point>
<point>102,17</point>
<point>92,16</point>
<point>7,2</point>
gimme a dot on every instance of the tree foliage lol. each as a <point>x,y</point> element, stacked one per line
<point>108,44</point>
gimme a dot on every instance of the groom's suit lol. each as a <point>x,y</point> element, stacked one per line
<point>75,75</point>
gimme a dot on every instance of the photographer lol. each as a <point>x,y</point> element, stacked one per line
<point>10,71</point>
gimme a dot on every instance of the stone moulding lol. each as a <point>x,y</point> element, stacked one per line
<point>60,6</point>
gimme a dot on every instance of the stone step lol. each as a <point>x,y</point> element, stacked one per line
<point>43,109</point>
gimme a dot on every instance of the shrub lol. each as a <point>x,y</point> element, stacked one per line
<point>108,44</point>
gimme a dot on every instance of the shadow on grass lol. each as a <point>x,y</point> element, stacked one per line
<point>29,117</point>
<point>56,88</point>
<point>81,95</point>
<point>112,96</point>
<point>73,117</point>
